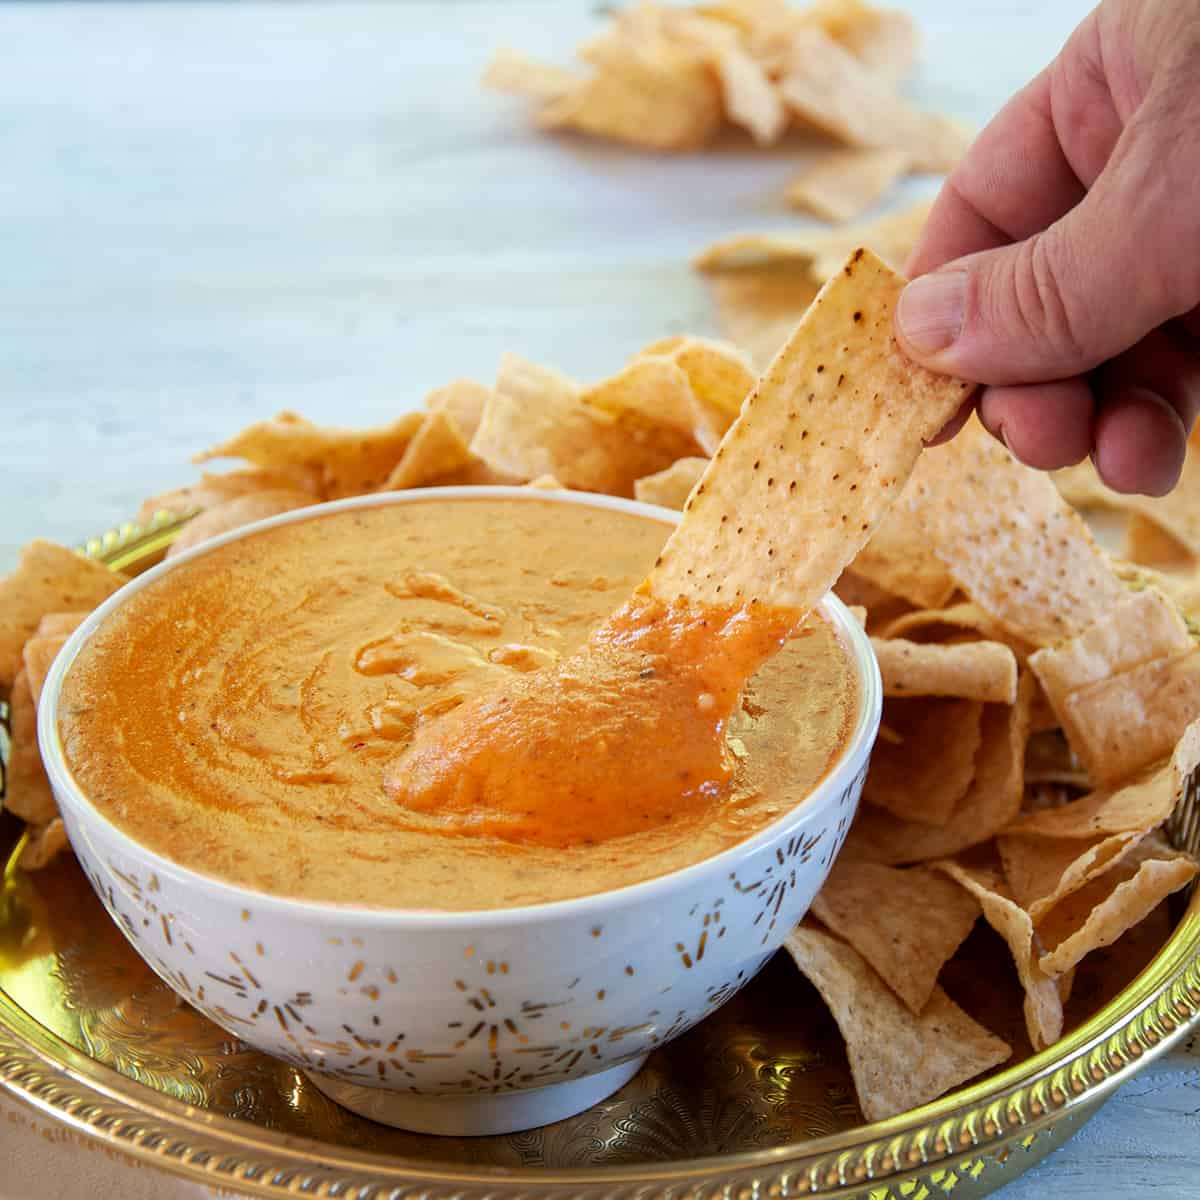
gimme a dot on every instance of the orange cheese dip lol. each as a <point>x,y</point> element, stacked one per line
<point>623,736</point>
<point>241,714</point>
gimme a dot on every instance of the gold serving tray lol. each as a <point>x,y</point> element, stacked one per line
<point>757,1101</point>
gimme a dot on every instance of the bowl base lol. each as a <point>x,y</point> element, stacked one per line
<point>476,1115</point>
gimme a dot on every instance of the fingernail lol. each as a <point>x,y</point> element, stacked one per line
<point>930,311</point>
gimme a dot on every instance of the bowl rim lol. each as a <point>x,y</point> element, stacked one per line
<point>851,759</point>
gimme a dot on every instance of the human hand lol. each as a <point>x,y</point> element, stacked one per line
<point>1061,263</point>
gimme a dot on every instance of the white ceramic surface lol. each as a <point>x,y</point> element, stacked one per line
<point>475,1022</point>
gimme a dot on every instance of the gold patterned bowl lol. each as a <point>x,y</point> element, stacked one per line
<point>756,1101</point>
<point>467,1022</point>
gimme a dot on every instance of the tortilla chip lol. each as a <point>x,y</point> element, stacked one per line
<point>48,578</point>
<point>1120,657</point>
<point>991,803</point>
<point>1041,871</point>
<point>671,487</point>
<point>662,98</point>
<point>214,489</point>
<point>1011,541</point>
<point>1141,627</point>
<point>1120,725</point>
<point>536,424</point>
<point>514,72</point>
<point>652,389</point>
<point>27,790</point>
<point>899,556</point>
<point>829,88</point>
<point>842,184</point>
<point>984,671</point>
<point>925,773</point>
<point>899,1061</point>
<point>892,236</point>
<point>906,924</point>
<point>881,605</point>
<point>350,461</point>
<point>42,649</point>
<point>233,514</point>
<point>1043,1002</point>
<point>462,400</point>
<point>43,844</point>
<point>1178,512</point>
<point>750,98</point>
<point>1143,803</point>
<point>884,40</point>
<point>720,379</point>
<point>844,415</point>
<point>545,483</point>
<point>436,451</point>
<point>1050,759</point>
<point>942,624</point>
<point>754,251</point>
<point>1099,913</point>
<point>758,309</point>
<point>1148,543</point>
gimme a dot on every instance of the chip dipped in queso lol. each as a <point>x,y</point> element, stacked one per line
<point>238,714</point>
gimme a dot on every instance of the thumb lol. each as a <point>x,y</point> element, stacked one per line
<point>1065,300</point>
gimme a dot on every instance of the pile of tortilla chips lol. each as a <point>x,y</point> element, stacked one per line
<point>670,79</point>
<point>1041,697</point>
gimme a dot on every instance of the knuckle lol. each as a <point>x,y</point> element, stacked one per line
<point>1043,306</point>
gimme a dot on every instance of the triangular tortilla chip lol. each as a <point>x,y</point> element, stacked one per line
<point>436,450</point>
<point>27,790</point>
<point>42,649</point>
<point>841,379</point>
<point>843,183</point>
<point>536,423</point>
<point>671,487</point>
<point>1041,871</point>
<point>351,461</point>
<point>662,98</point>
<point>828,87</point>
<point>514,72</point>
<point>462,400</point>
<point>925,773</point>
<point>233,514</point>
<point>984,671</point>
<point>48,578</point>
<point>215,488</point>
<point>1043,1002</point>
<point>992,802</point>
<point>906,924</point>
<point>1142,627</point>
<point>1118,726</point>
<point>1098,914</point>
<point>651,388</point>
<point>899,1061</point>
<point>1012,542</point>
<point>1142,803</point>
<point>900,558</point>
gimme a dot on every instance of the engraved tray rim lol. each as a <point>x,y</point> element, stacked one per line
<point>990,1118</point>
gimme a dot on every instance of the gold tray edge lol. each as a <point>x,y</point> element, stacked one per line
<point>1157,1010</point>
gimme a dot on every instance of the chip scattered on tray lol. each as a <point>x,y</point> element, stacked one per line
<point>992,609</point>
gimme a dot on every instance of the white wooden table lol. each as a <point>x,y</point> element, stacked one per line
<point>209,212</point>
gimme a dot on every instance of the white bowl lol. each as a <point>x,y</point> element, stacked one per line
<point>467,1022</point>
